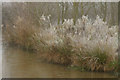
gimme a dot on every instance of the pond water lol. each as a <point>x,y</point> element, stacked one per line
<point>18,63</point>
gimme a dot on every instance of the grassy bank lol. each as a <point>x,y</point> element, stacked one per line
<point>87,45</point>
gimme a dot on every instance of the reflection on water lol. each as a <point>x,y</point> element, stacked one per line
<point>22,64</point>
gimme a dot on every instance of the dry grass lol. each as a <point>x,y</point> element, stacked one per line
<point>21,33</point>
<point>69,44</point>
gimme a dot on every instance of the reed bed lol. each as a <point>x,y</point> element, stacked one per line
<point>88,45</point>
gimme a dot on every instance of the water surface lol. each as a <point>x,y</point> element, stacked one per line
<point>18,63</point>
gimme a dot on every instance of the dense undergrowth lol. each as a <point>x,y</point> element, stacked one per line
<point>87,45</point>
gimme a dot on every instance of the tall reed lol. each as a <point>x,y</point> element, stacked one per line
<point>90,45</point>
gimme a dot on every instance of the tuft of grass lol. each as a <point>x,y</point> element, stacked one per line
<point>21,33</point>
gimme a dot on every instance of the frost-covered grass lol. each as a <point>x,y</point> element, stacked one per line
<point>91,45</point>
